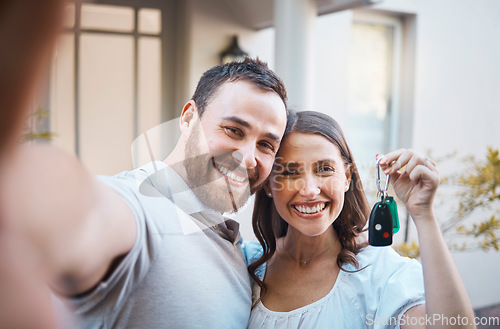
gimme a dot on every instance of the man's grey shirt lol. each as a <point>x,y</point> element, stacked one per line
<point>185,270</point>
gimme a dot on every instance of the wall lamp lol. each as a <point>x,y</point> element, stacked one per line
<point>234,53</point>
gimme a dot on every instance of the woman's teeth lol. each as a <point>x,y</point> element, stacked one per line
<point>310,210</point>
<point>226,172</point>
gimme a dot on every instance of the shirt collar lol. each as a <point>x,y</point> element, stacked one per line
<point>165,180</point>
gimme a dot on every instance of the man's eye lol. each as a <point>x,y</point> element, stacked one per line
<point>233,131</point>
<point>268,146</point>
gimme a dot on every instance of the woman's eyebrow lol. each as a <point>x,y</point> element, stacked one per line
<point>324,161</point>
<point>288,164</point>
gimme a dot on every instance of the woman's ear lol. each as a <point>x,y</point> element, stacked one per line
<point>348,176</point>
<point>188,116</point>
<point>267,188</point>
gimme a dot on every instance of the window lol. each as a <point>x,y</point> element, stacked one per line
<point>106,82</point>
<point>380,115</point>
<point>373,114</point>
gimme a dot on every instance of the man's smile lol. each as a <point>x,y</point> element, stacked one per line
<point>235,175</point>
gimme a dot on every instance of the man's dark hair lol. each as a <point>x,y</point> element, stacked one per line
<point>254,71</point>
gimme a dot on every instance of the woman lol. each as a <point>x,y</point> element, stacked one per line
<point>314,269</point>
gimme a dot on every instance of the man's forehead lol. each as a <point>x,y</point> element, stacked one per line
<point>248,104</point>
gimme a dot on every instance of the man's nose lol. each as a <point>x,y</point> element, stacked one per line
<point>246,157</point>
<point>310,188</point>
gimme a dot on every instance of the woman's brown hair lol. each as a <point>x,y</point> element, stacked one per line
<point>268,225</point>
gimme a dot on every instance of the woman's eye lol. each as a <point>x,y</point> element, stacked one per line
<point>290,173</point>
<point>326,169</point>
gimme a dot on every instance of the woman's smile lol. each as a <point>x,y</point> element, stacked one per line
<point>310,210</point>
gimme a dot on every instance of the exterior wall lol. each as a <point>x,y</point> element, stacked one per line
<point>458,76</point>
<point>456,103</point>
<point>210,31</point>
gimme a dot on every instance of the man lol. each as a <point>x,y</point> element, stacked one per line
<point>119,251</point>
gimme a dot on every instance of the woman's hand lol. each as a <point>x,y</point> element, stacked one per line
<point>416,184</point>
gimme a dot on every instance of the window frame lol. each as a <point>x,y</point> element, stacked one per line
<point>392,119</point>
<point>165,37</point>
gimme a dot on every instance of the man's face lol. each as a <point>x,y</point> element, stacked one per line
<point>230,151</point>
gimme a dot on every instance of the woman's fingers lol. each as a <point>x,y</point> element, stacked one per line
<point>416,185</point>
<point>415,161</point>
<point>416,167</point>
<point>431,164</point>
<point>394,161</point>
<point>425,174</point>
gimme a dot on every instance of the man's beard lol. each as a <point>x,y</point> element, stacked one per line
<point>208,184</point>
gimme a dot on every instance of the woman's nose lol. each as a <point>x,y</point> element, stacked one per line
<point>310,187</point>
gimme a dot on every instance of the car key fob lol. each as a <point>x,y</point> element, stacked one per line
<point>380,226</point>
<point>393,207</point>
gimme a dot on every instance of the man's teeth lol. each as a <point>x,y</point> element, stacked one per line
<point>226,172</point>
<point>310,210</point>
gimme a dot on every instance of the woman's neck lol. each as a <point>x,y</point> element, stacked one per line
<point>302,248</point>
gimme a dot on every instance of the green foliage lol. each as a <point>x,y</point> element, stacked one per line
<point>485,232</point>
<point>32,133</point>
<point>483,184</point>
<point>407,249</point>
<point>478,194</point>
<point>31,136</point>
<point>479,191</point>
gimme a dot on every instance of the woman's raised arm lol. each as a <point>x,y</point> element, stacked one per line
<point>415,180</point>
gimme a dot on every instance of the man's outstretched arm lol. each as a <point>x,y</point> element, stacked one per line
<point>72,225</point>
<point>76,224</point>
<point>28,30</point>
<point>25,40</point>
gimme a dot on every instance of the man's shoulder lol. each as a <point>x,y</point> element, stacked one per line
<point>140,173</point>
<point>141,189</point>
<point>134,178</point>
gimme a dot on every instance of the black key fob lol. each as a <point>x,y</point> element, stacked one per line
<point>380,227</point>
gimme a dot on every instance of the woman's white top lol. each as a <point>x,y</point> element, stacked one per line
<point>375,297</point>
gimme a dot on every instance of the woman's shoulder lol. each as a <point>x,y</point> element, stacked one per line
<point>388,255</point>
<point>380,264</point>
<point>385,283</point>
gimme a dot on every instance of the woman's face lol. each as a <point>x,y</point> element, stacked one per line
<point>308,182</point>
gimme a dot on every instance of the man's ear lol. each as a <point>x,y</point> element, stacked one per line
<point>188,116</point>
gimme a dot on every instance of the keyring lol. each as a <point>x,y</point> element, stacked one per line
<point>384,219</point>
<point>384,191</point>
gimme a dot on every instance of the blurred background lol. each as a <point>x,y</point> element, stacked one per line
<point>395,73</point>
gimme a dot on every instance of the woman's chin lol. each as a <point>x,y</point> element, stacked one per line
<point>311,231</point>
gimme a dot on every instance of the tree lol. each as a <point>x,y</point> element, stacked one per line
<point>477,194</point>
